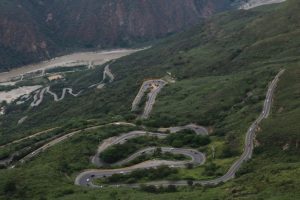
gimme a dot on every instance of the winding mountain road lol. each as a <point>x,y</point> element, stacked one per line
<point>39,94</point>
<point>106,72</point>
<point>197,158</point>
<point>86,178</point>
<point>155,87</point>
<point>120,140</point>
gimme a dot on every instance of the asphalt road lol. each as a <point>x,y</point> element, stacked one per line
<point>140,94</point>
<point>197,158</point>
<point>155,87</point>
<point>120,140</point>
<point>85,178</point>
<point>159,84</point>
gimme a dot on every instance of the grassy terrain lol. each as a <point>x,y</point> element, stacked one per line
<point>270,175</point>
<point>222,71</point>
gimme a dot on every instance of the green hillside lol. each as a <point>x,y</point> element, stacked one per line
<point>222,70</point>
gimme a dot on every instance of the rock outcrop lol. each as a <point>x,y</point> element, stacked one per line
<point>35,30</point>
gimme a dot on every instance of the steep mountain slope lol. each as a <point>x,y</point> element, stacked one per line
<point>225,44</point>
<point>21,41</point>
<point>222,69</point>
<point>35,30</point>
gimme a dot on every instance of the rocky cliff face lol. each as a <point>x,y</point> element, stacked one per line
<point>33,30</point>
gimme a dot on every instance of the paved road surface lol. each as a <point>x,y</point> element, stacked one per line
<point>155,87</point>
<point>141,93</point>
<point>159,84</point>
<point>120,140</point>
<point>197,158</point>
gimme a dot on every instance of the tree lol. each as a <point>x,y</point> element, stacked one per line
<point>190,182</point>
<point>149,188</point>
<point>189,166</point>
<point>157,152</point>
<point>171,188</point>
<point>10,187</point>
<point>210,169</point>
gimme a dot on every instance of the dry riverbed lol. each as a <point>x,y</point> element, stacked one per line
<point>10,96</point>
<point>86,58</point>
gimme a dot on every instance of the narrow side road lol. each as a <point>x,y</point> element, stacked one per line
<point>29,137</point>
<point>67,136</point>
<point>39,95</point>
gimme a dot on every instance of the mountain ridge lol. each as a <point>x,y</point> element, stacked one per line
<point>36,30</point>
